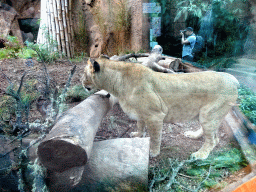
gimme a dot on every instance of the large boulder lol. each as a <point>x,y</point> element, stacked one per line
<point>115,165</point>
<point>9,22</point>
<point>7,15</point>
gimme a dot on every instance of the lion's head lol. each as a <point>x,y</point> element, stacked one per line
<point>90,69</point>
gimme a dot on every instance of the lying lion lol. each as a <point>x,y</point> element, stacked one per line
<point>152,98</point>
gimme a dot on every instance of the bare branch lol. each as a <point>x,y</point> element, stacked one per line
<point>21,83</point>
<point>10,82</point>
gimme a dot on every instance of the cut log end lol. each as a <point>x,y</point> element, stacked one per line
<point>59,155</point>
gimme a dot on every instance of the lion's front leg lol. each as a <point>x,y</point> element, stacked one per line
<point>141,129</point>
<point>211,140</point>
<point>155,132</point>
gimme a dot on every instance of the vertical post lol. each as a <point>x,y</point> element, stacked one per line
<point>136,25</point>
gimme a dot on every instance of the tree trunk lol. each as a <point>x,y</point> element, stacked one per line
<point>70,141</point>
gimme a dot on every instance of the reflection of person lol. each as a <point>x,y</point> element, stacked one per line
<point>188,43</point>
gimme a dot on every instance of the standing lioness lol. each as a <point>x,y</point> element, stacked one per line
<point>153,98</point>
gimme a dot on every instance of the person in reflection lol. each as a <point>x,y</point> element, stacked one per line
<point>188,40</point>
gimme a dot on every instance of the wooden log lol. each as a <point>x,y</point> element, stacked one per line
<point>70,141</point>
<point>171,63</point>
<point>189,68</point>
<point>115,165</point>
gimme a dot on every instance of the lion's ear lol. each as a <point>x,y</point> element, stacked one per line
<point>95,66</point>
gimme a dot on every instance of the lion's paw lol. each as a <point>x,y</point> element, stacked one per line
<point>136,134</point>
<point>190,134</point>
<point>193,134</point>
<point>199,155</point>
<point>153,153</point>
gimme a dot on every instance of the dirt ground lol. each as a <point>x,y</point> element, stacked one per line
<point>117,124</point>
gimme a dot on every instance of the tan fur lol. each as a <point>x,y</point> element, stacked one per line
<point>153,98</point>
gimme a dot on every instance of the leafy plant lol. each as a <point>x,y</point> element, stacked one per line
<point>26,53</point>
<point>247,100</point>
<point>77,93</point>
<point>195,175</point>
<point>43,52</point>
<point>11,49</point>
<point>15,105</point>
<point>198,8</point>
<point>219,24</point>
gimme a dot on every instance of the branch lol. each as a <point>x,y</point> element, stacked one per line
<point>124,57</point>
<point>47,83</point>
<point>199,186</point>
<point>175,172</point>
<point>10,82</point>
<point>21,83</point>
<point>69,80</point>
<point>62,96</point>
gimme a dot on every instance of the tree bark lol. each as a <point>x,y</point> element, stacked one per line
<point>70,141</point>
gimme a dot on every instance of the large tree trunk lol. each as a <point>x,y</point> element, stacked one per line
<point>56,26</point>
<point>70,141</point>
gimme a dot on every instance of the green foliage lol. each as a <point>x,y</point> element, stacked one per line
<point>196,175</point>
<point>77,93</point>
<point>12,48</point>
<point>79,57</point>
<point>9,107</point>
<point>29,92</point>
<point>198,8</point>
<point>26,53</point>
<point>229,32</point>
<point>7,111</point>
<point>44,52</point>
<point>247,100</point>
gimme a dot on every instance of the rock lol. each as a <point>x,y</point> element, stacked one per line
<point>97,42</point>
<point>2,41</point>
<point>115,165</point>
<point>7,15</point>
<point>27,37</point>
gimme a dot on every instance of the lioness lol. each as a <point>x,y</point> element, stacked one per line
<point>152,98</point>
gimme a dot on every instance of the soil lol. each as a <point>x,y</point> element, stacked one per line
<point>116,124</point>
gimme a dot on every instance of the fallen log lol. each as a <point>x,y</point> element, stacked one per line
<point>171,63</point>
<point>70,141</point>
<point>115,165</point>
